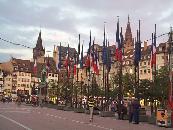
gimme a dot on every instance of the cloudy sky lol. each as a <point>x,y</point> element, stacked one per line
<point>63,20</point>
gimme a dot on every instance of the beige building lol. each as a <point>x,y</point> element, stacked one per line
<point>1,80</point>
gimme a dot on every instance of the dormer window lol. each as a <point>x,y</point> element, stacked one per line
<point>160,48</point>
<point>163,48</point>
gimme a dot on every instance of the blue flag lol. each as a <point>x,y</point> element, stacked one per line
<point>137,50</point>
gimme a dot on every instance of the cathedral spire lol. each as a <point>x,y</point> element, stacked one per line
<point>128,19</point>
<point>39,45</point>
<point>128,36</point>
<point>39,51</point>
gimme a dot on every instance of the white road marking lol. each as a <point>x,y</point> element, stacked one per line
<point>21,125</point>
<point>14,108</point>
<point>16,112</point>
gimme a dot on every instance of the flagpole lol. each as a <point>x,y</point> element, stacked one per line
<point>152,100</point>
<point>139,38</point>
<point>155,108</point>
<point>103,66</point>
<point>77,72</point>
<point>137,67</point>
<point>89,54</point>
<point>105,76</point>
<point>170,97</point>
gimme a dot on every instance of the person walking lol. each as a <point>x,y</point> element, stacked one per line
<point>136,109</point>
<point>130,110</point>
<point>91,107</point>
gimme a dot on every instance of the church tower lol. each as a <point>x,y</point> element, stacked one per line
<point>39,51</point>
<point>128,41</point>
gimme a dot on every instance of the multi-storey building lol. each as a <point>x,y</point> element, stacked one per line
<point>20,75</point>
<point>1,80</point>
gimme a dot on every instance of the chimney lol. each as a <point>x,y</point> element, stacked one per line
<point>54,48</point>
<point>145,45</point>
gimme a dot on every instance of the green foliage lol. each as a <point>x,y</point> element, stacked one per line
<point>147,89</point>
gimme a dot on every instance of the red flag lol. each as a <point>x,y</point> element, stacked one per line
<point>35,67</point>
<point>75,69</point>
<point>88,62</point>
<point>153,51</point>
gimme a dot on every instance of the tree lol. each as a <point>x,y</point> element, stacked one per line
<point>161,85</point>
<point>128,84</point>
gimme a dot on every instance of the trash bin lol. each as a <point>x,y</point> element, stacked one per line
<point>162,117</point>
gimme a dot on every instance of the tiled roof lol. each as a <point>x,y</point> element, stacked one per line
<point>22,65</point>
<point>72,51</point>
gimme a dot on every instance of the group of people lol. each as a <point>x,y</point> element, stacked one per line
<point>131,109</point>
<point>134,108</point>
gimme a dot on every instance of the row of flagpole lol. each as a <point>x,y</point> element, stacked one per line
<point>106,54</point>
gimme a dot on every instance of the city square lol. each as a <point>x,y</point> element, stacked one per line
<point>86,65</point>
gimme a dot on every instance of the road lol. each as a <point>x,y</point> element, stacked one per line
<point>25,117</point>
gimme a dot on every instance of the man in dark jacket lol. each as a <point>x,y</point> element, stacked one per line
<point>136,109</point>
<point>130,110</point>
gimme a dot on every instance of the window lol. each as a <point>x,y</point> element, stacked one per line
<point>18,85</point>
<point>149,71</point>
<point>145,71</point>
<point>148,62</point>
<point>141,64</point>
<point>140,71</point>
<point>144,63</point>
<point>50,74</point>
<point>160,49</point>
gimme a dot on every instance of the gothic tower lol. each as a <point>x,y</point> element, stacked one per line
<point>128,42</point>
<point>39,51</point>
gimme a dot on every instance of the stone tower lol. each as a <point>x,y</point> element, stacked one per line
<point>128,41</point>
<point>39,51</point>
<point>55,54</point>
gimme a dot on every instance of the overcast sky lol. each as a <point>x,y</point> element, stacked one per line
<point>63,20</point>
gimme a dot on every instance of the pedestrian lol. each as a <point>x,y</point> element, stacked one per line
<point>91,107</point>
<point>113,106</point>
<point>124,111</point>
<point>130,110</point>
<point>136,109</point>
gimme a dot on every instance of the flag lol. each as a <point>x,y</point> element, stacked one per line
<point>153,49</point>
<point>67,58</point>
<point>35,66</point>
<point>137,57</point>
<point>88,62</point>
<point>104,55</point>
<point>59,58</point>
<point>121,48</point>
<point>79,46</point>
<point>81,60</point>
<point>92,57</point>
<point>108,65</point>
<point>117,42</point>
<point>96,68</point>
<point>75,64</point>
